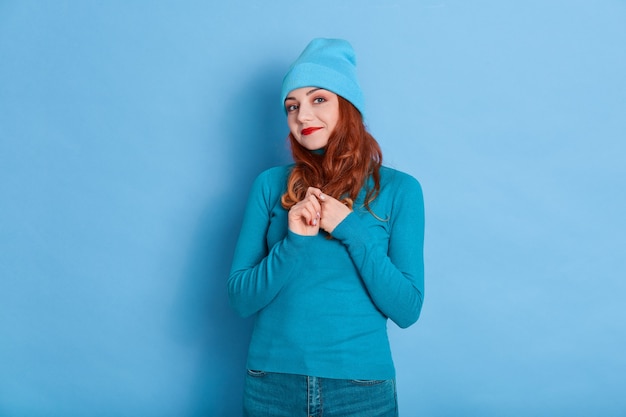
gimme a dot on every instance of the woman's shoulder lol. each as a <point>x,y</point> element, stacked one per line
<point>272,180</point>
<point>276,174</point>
<point>399,189</point>
<point>391,177</point>
<point>270,185</point>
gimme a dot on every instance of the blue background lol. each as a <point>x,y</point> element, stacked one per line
<point>130,133</point>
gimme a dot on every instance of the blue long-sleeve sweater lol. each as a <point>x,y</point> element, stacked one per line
<point>322,304</point>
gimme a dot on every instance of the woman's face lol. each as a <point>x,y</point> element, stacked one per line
<point>312,114</point>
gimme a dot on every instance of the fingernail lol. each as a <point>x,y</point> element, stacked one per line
<point>322,196</point>
<point>318,215</point>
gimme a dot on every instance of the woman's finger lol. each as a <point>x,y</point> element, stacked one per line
<point>317,207</point>
<point>313,191</point>
<point>308,209</point>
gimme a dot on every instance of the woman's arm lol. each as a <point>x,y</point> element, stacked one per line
<point>258,272</point>
<point>394,277</point>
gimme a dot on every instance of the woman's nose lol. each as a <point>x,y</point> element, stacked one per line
<point>304,113</point>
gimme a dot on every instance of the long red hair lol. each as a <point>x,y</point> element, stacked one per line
<point>350,158</point>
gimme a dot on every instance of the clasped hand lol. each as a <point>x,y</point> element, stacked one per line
<point>316,211</point>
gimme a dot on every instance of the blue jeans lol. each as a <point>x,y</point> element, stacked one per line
<point>270,394</point>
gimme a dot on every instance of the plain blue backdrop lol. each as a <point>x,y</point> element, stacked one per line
<point>130,133</point>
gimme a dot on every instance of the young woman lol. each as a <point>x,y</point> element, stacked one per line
<point>330,248</point>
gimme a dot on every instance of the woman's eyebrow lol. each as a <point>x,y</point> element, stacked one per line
<point>308,93</point>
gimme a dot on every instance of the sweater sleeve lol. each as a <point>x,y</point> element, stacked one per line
<point>393,276</point>
<point>258,272</point>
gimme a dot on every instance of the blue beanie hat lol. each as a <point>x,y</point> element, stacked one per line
<point>329,64</point>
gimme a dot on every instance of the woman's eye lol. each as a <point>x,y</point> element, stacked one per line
<point>319,100</point>
<point>291,108</point>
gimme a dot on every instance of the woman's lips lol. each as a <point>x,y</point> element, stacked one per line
<point>309,130</point>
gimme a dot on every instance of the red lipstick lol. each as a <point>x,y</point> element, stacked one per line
<point>309,130</point>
